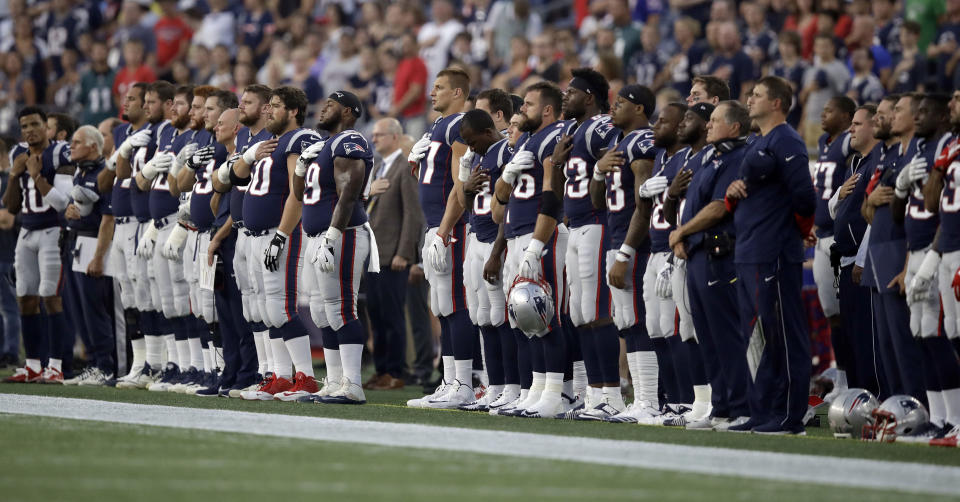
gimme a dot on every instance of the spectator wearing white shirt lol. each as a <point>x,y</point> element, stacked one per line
<point>436,36</point>
<point>219,27</point>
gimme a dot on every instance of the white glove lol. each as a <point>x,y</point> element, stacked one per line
<point>324,259</point>
<point>664,287</point>
<point>916,170</point>
<point>147,242</point>
<point>136,140</point>
<point>520,162</point>
<point>83,195</point>
<point>307,156</point>
<point>183,210</point>
<point>530,266</point>
<point>419,149</point>
<point>653,187</point>
<point>250,155</point>
<point>437,253</point>
<point>185,153</point>
<point>173,248</point>
<point>160,163</point>
<point>921,288</point>
<point>111,162</point>
<point>466,165</point>
<point>223,172</point>
<point>84,208</point>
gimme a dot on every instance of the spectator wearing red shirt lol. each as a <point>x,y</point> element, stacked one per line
<point>134,71</point>
<point>409,89</point>
<point>173,36</point>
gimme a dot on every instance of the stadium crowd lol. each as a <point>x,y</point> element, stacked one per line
<point>586,175</point>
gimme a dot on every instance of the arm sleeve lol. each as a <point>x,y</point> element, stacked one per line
<point>57,196</point>
<point>796,176</point>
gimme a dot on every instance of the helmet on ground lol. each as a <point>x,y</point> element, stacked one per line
<point>851,411</point>
<point>899,415</point>
<point>530,304</point>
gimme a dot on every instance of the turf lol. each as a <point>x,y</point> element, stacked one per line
<point>389,406</point>
<point>76,460</point>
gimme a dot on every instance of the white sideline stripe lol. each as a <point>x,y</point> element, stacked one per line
<point>785,467</point>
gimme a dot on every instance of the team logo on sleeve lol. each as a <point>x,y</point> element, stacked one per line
<point>352,147</point>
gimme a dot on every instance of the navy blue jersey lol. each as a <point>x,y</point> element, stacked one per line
<point>139,199</point>
<point>710,184</point>
<point>320,195</point>
<point>660,228</point>
<point>200,213</point>
<point>35,213</point>
<point>621,189</point>
<point>589,141</point>
<point>436,168</point>
<point>950,202</point>
<point>244,141</point>
<point>777,174</point>
<point>849,225</point>
<point>481,218</point>
<point>269,181</point>
<point>919,224</point>
<point>887,248</point>
<point>524,205</point>
<point>120,195</point>
<point>829,174</point>
<point>162,202</point>
<point>86,176</point>
<point>692,162</point>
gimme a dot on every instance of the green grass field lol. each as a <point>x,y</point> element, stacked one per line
<point>84,460</point>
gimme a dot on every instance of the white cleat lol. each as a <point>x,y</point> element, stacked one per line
<point>505,398</point>
<point>457,395</point>
<point>637,413</point>
<point>348,393</point>
<point>236,393</point>
<point>419,402</point>
<point>552,407</point>
<point>599,412</point>
<point>510,408</point>
<point>141,380</point>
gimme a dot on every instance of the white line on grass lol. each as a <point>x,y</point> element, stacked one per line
<point>787,467</point>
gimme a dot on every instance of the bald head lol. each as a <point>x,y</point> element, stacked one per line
<point>386,136</point>
<point>227,126</point>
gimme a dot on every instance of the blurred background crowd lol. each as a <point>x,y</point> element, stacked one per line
<point>78,56</point>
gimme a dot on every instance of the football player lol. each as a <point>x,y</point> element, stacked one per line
<point>775,202</point>
<point>437,156</point>
<point>830,170</point>
<point>527,200</point>
<point>488,152</point>
<point>591,132</point>
<point>942,374</point>
<point>498,104</point>
<point>253,112</point>
<point>340,241</point>
<point>271,213</point>
<point>615,182</point>
<point>43,175</point>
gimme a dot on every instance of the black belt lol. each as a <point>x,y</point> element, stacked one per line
<point>238,225</point>
<point>120,220</point>
<point>82,233</point>
<point>161,222</point>
<point>256,233</point>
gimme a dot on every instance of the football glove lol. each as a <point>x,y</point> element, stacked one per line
<point>921,287</point>
<point>173,248</point>
<point>419,149</point>
<point>159,164</point>
<point>147,242</point>
<point>653,187</point>
<point>436,254</point>
<point>530,266</point>
<point>324,259</point>
<point>664,286</point>
<point>200,158</point>
<point>520,162</point>
<point>307,157</point>
<point>915,171</point>
<point>271,255</point>
<point>136,140</point>
<point>466,165</point>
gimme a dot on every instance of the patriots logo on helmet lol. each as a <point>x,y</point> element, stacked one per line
<point>352,147</point>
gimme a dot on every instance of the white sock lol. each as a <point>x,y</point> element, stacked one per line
<point>552,386</point>
<point>938,409</point>
<point>579,377</point>
<point>281,359</point>
<point>139,353</point>
<point>634,374</point>
<point>196,353</point>
<point>261,356</point>
<point>594,395</point>
<point>350,356</point>
<point>951,398</point>
<point>649,372</point>
<point>33,365</point>
<point>334,364</point>
<point>153,351</point>
<point>449,369</point>
<point>522,396</point>
<point>299,349</point>
<point>568,388</point>
<point>701,400</point>
<point>170,342</point>
<point>536,389</point>
<point>512,389</point>
<point>208,364</point>
<point>55,364</point>
<point>614,397</point>
<point>267,363</point>
<point>463,369</point>
<point>182,352</point>
<point>493,391</point>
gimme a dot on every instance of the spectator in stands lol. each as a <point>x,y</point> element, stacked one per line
<point>9,229</point>
<point>218,27</point>
<point>863,36</point>
<point>436,36</point>
<point>96,84</point>
<point>17,90</point>
<point>410,89</point>
<point>648,62</point>
<point>365,81</point>
<point>826,23</point>
<point>256,30</point>
<point>790,67</point>
<point>63,92</point>
<point>759,41</point>
<point>888,22</point>
<point>865,86</point>
<point>910,65</point>
<point>686,31</point>
<point>132,28</point>
<point>944,48</point>
<point>804,22</point>
<point>342,65</point>
<point>508,20</point>
<point>173,36</point>
<point>824,80</point>
<point>302,79</point>
<point>135,70</point>
<point>626,30</point>
<point>544,52</point>
<point>730,63</point>
<point>223,71</point>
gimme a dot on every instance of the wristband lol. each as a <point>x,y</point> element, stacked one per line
<point>625,253</point>
<point>333,234</point>
<point>281,234</point>
<point>598,176</point>
<point>501,202</point>
<point>250,155</point>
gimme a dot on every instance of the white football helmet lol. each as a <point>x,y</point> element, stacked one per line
<point>530,305</point>
<point>898,415</point>
<point>851,411</point>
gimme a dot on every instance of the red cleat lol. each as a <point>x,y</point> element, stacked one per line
<point>24,375</point>
<point>302,386</point>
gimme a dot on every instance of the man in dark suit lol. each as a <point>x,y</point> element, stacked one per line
<point>397,222</point>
